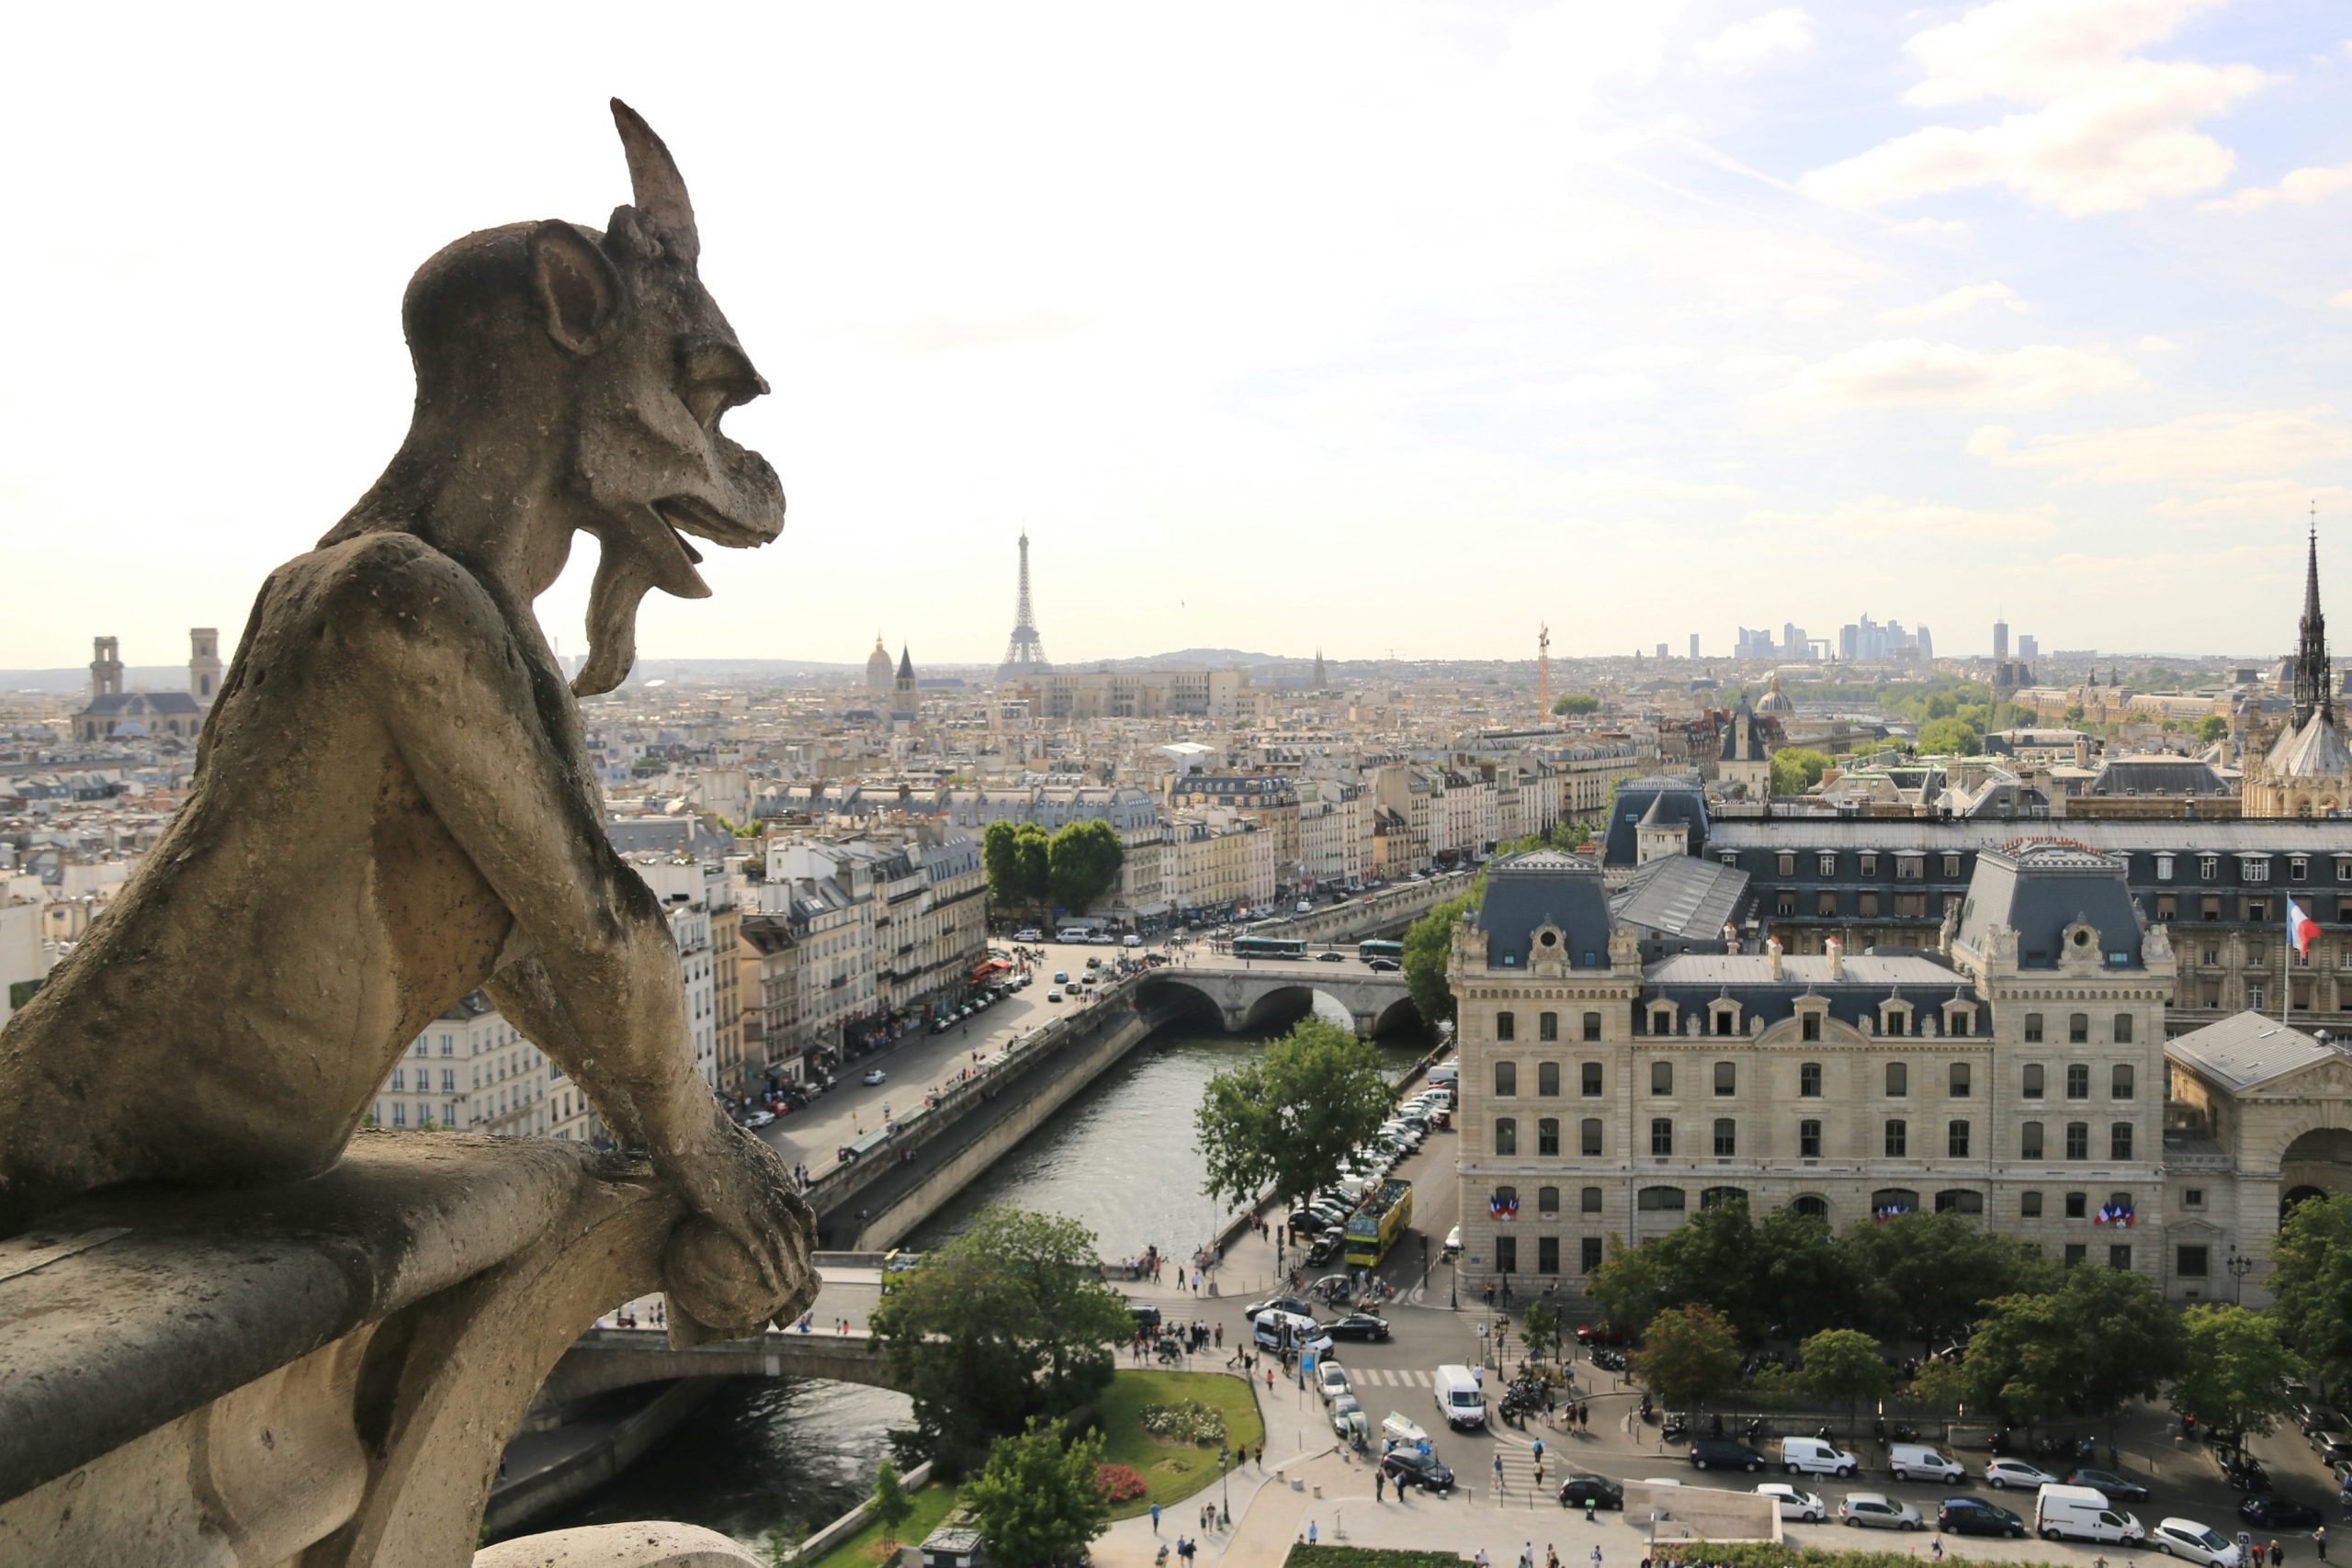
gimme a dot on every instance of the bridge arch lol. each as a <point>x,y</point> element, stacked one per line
<point>604,1359</point>
<point>1400,1014</point>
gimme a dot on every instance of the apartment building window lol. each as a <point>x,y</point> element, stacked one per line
<point>1898,1080</point>
<point>1593,1253</point>
<point>1727,1078</point>
<point>1828,863</point>
<point>1959,1088</point>
<point>1809,1081</point>
<point>399,1079</point>
<point>2074,1255</point>
<point>448,1080</point>
<point>2077,1205</point>
<point>2163,868</point>
<point>1507,1254</point>
<point>1592,1080</point>
<point>1784,903</point>
<point>1788,863</point>
<point>2078,1140</point>
<point>1547,1138</point>
<point>1898,1138</point>
<point>1547,1255</point>
<point>1661,1136</point>
<point>2033,1028</point>
<point>2257,868</point>
<point>2078,1080</point>
<point>1591,1134</point>
<point>2119,1254</point>
<point>2209,906</point>
<point>2190,1262</point>
<point>1590,1201</point>
<point>400,1114</point>
<point>1956,1140</point>
<point>1506,1135</point>
<point>1808,1140</point>
<point>1662,1019</point>
<point>2119,1141</point>
<point>1661,1077</point>
<point>1506,1026</point>
<point>1809,1027</point>
<point>2078,1028</point>
<point>1952,866</point>
<point>2119,1082</point>
<point>1506,1078</point>
<point>1866,904</point>
<point>2298,868</point>
<point>2029,1205</point>
<point>1592,1026</point>
<point>1547,1077</point>
<point>1547,1026</point>
<point>1825,905</point>
<point>2167,907</point>
<point>2192,1197</point>
<point>1727,1137</point>
<point>1547,1200</point>
<point>1869,863</point>
<point>1727,1020</point>
<point>2029,1141</point>
<point>2207,867</point>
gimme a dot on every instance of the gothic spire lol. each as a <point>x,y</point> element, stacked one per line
<point>2314,688</point>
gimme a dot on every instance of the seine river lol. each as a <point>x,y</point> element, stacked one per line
<point>1119,1158</point>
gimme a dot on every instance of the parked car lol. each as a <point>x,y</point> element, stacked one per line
<point>2279,1514</point>
<point>874,1076</point>
<point>2189,1539</point>
<point>1331,1381</point>
<point>1053,996</point>
<point>1576,1490</point>
<point>1976,1515</point>
<point>2004,1473</point>
<point>2116,1488</point>
<point>2334,1447</point>
<point>1875,1510</point>
<point>759,1119</point>
<point>1725,1453</point>
<point>1291,1304</point>
<point>1359,1326</point>
<point>1410,1467</point>
<point>2318,1419</point>
<point>1806,1507</point>
<point>1603,1333</point>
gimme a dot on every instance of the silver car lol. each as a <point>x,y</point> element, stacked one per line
<point>1875,1510</point>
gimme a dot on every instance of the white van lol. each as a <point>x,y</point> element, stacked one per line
<point>1074,933</point>
<point>1446,1073</point>
<point>1811,1456</point>
<point>1270,1326</point>
<point>1459,1395</point>
<point>2082,1513</point>
<point>1131,940</point>
<point>1910,1461</point>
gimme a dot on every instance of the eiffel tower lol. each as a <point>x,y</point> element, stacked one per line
<point>1024,653</point>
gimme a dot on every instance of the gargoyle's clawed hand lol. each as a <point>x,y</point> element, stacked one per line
<point>742,1258</point>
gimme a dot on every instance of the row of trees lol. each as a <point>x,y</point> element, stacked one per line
<point>1028,869</point>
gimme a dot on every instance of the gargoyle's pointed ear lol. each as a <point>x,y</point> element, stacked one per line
<point>655,185</point>
<point>576,285</point>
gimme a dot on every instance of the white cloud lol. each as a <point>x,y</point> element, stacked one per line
<point>2343,301</point>
<point>1746,46</point>
<point>2300,189</point>
<point>1810,307</point>
<point>2207,450</point>
<point>1645,357</point>
<point>1883,516</point>
<point>2272,498</point>
<point>1959,301</point>
<point>2152,344</point>
<point>1746,366</point>
<point>1898,371</point>
<point>2105,129</point>
<point>1934,226</point>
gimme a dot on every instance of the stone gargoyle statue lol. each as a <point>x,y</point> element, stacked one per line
<point>392,806</point>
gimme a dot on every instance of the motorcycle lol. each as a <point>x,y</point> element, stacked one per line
<point>1646,1409</point>
<point>1675,1426</point>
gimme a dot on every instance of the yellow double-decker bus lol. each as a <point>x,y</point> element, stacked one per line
<point>1378,1221</point>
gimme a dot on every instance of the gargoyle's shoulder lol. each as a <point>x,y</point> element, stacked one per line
<point>393,582</point>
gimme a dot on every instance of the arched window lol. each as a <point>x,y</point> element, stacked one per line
<point>1505,1196</point>
<point>1506,1135</point>
<point>2078,1028</point>
<point>2119,1082</point>
<point>1506,1026</point>
<point>1547,1138</point>
<point>1661,1197</point>
<point>1898,1080</point>
<point>1811,1206</point>
<point>1591,1202</point>
<point>1727,1137</point>
<point>2078,1140</point>
<point>1547,1078</point>
<point>1960,1200</point>
<point>1592,1026</point>
<point>2119,1141</point>
<point>2033,1080</point>
<point>2029,1141</point>
<point>1547,1200</point>
<point>2123,1029</point>
<point>1714,1195</point>
<point>1506,1078</point>
<point>1894,1200</point>
<point>1547,1026</point>
<point>1591,1130</point>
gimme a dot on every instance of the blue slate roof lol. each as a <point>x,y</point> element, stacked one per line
<point>2039,886</point>
<point>1545,888</point>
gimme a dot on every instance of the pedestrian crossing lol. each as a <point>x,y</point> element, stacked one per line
<point>1387,1377</point>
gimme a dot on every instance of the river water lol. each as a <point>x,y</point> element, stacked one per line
<point>1118,1158</point>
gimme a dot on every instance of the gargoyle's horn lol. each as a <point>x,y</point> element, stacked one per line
<point>655,185</point>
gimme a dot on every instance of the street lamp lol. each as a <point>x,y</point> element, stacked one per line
<point>2238,1268</point>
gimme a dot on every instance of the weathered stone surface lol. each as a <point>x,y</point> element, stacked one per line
<point>392,806</point>
<point>619,1546</point>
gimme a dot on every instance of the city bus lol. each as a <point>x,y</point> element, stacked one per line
<point>1268,947</point>
<point>1377,1222</point>
<point>1368,951</point>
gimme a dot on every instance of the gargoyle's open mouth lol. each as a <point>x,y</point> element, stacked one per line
<point>690,514</point>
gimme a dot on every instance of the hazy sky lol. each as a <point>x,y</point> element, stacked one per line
<point>1277,325</point>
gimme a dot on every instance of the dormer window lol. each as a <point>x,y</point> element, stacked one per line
<point>2257,868</point>
<point>2163,868</point>
<point>2207,867</point>
<point>1828,862</point>
<point>1662,1018</point>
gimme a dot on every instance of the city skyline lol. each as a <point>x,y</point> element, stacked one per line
<point>1968,308</point>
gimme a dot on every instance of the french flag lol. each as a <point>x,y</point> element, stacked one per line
<point>2301,928</point>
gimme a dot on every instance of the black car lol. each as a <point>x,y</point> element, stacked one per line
<point>1410,1467</point>
<point>2117,1488</point>
<point>1973,1516</point>
<point>1306,1222</point>
<point>1359,1326</point>
<point>1278,1304</point>
<point>1331,956</point>
<point>1382,965</point>
<point>1723,1453</point>
<point>1577,1491</point>
<point>2278,1514</point>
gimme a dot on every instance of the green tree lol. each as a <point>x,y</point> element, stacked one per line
<point>1802,1279</point>
<point>2234,1372</point>
<point>2311,1283</point>
<point>1948,738</point>
<point>1927,1274</point>
<point>1036,1502</point>
<point>1001,858</point>
<point>890,1502</point>
<point>1630,1285</point>
<point>2073,717</point>
<point>1009,1320</point>
<point>1286,1121</point>
<point>2020,1360</point>
<point>1083,863</point>
<point>1035,851</point>
<point>2212,728</point>
<point>1575,705</point>
<point>1843,1364</point>
<point>1796,769</point>
<point>1687,1353</point>
<point>2127,1342</point>
<point>1429,947</point>
<point>1540,1329</point>
<point>1940,1386</point>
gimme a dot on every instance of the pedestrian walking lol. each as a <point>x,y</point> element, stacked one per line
<point>1310,1532</point>
<point>2278,1554</point>
<point>2319,1541</point>
<point>1596,1556</point>
<point>1539,1451</point>
<point>1498,1472</point>
<point>1527,1555</point>
<point>1591,1506</point>
<point>1155,1518</point>
<point>1379,1485</point>
<point>1937,1550</point>
<point>1551,1555</point>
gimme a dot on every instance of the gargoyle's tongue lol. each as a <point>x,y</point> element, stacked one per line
<point>640,554</point>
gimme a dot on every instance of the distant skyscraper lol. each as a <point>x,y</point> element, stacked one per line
<point>2000,639</point>
<point>2028,647</point>
<point>1926,645</point>
<point>1694,644</point>
<point>1025,654</point>
<point>1661,651</point>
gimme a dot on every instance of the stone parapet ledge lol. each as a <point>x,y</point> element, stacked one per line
<point>321,1373</point>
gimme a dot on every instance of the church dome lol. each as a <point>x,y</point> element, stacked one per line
<point>880,669</point>
<point>1775,700</point>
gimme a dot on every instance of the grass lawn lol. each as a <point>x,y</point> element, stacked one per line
<point>864,1549</point>
<point>1172,1472</point>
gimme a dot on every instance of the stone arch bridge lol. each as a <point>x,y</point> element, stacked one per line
<point>1269,992</point>
<point>606,1358</point>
